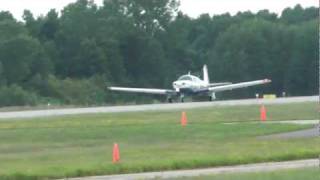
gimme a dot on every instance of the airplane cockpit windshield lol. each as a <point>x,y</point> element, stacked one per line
<point>185,78</point>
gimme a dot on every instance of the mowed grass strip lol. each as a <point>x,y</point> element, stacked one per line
<point>81,145</point>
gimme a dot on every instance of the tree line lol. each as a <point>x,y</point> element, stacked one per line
<point>71,57</point>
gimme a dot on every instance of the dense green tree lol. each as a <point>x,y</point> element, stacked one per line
<point>50,25</point>
<point>31,24</point>
<point>151,15</point>
<point>302,74</point>
<point>70,57</point>
<point>21,56</point>
<point>298,14</point>
<point>175,42</point>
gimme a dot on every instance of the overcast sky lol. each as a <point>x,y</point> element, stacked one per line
<point>191,7</point>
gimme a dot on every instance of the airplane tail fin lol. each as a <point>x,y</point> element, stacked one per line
<point>205,74</point>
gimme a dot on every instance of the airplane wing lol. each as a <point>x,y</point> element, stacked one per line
<point>144,90</point>
<point>219,84</point>
<point>238,85</point>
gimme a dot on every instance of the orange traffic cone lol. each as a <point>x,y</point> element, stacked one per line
<point>115,153</point>
<point>263,113</point>
<point>183,119</point>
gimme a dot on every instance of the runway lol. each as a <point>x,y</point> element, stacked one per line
<point>306,133</point>
<point>259,167</point>
<point>302,122</point>
<point>150,107</point>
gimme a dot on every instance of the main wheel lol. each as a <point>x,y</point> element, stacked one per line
<point>212,97</point>
<point>169,100</point>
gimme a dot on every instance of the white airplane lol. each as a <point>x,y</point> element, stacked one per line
<point>192,85</point>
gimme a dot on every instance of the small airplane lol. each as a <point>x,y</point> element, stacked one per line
<point>189,85</point>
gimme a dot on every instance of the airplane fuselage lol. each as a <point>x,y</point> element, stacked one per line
<point>189,84</point>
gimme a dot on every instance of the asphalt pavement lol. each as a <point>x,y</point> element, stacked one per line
<point>306,133</point>
<point>259,167</point>
<point>19,115</point>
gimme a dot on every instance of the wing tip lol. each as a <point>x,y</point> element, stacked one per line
<point>267,81</point>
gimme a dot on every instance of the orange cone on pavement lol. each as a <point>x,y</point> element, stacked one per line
<point>263,113</point>
<point>115,153</point>
<point>183,119</point>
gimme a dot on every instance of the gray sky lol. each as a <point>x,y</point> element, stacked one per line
<point>191,7</point>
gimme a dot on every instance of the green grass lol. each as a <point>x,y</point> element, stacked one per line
<point>81,145</point>
<point>292,174</point>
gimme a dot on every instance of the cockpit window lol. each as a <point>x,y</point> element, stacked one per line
<point>185,78</point>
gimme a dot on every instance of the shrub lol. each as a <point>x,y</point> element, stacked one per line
<point>14,95</point>
<point>75,91</point>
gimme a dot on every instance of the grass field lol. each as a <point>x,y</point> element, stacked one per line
<point>81,145</point>
<point>292,174</point>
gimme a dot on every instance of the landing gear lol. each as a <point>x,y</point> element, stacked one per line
<point>169,100</point>
<point>212,97</point>
<point>182,98</point>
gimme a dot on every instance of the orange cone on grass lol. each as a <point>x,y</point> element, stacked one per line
<point>115,153</point>
<point>183,119</point>
<point>263,113</point>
